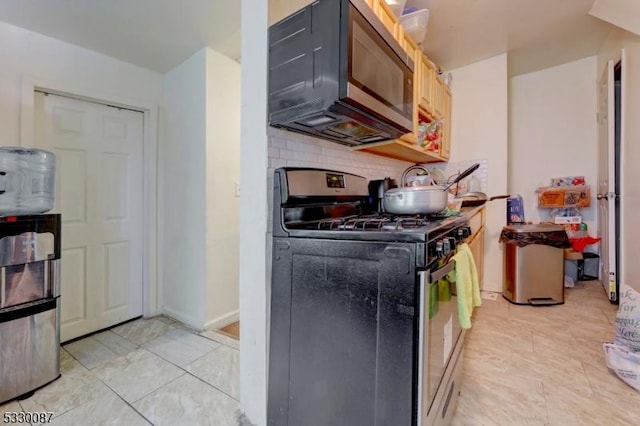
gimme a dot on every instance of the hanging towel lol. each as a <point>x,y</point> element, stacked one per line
<point>444,290</point>
<point>465,275</point>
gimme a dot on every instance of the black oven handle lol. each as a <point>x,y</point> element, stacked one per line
<point>441,272</point>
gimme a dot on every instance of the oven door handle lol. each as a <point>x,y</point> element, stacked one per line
<point>441,272</point>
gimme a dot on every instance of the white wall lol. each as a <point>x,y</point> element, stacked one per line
<point>28,58</point>
<point>182,186</point>
<point>553,132</point>
<point>479,131</point>
<point>253,212</point>
<point>200,166</point>
<point>25,53</point>
<point>630,173</point>
<point>223,173</point>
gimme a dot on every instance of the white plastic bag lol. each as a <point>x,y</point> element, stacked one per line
<point>628,319</point>
<point>625,363</point>
<point>623,356</point>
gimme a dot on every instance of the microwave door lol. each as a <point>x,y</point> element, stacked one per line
<point>378,79</point>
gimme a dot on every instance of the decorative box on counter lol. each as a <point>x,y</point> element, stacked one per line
<point>564,196</point>
<point>515,210</point>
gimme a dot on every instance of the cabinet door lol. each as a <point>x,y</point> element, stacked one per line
<point>445,140</point>
<point>410,47</point>
<point>413,51</point>
<point>438,95</point>
<point>386,15</point>
<point>369,3</point>
<point>426,75</point>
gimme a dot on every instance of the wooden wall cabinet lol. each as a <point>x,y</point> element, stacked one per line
<point>406,148</point>
<point>413,51</point>
<point>386,15</point>
<point>445,140</point>
<point>426,73</point>
<point>439,88</point>
<point>432,98</point>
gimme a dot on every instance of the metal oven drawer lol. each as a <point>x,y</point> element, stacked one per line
<point>447,397</point>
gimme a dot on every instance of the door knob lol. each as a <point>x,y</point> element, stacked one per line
<point>602,197</point>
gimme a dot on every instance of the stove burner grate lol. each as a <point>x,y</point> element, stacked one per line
<point>378,222</point>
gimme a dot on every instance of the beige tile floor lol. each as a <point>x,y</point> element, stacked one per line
<point>523,366</point>
<point>528,365</point>
<point>149,371</point>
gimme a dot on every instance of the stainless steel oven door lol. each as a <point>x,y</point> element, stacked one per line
<point>439,333</point>
<point>379,79</point>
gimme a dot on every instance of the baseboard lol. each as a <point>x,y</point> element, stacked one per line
<point>222,321</point>
<point>493,287</point>
<point>185,319</point>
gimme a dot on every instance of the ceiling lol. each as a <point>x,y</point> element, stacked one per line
<point>537,34</point>
<point>154,34</point>
<point>160,34</point>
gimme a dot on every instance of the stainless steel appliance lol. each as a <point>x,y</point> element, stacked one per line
<point>29,303</point>
<point>364,327</point>
<point>534,273</point>
<point>337,73</point>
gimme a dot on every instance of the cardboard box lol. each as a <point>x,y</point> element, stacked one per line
<point>564,196</point>
<point>572,255</point>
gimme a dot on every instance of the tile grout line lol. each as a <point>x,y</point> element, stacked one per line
<point>172,363</point>
<point>213,386</point>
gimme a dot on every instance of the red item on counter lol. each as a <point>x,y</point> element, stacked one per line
<point>579,244</point>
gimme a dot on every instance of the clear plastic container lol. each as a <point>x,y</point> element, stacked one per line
<point>38,193</point>
<point>27,181</point>
<point>397,6</point>
<point>415,24</point>
<point>11,180</point>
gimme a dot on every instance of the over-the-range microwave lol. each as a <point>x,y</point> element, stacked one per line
<point>337,73</point>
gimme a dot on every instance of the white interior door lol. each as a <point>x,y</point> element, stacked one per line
<point>606,180</point>
<point>99,192</point>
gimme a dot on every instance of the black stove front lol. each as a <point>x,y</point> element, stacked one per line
<point>347,302</point>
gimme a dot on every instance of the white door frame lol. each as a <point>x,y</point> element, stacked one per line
<point>151,297</point>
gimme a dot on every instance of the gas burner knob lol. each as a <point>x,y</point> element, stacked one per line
<point>464,232</point>
<point>452,243</point>
<point>439,249</point>
<point>446,246</point>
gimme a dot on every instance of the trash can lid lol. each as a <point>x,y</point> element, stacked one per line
<point>539,227</point>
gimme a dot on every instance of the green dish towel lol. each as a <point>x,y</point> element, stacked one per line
<point>444,290</point>
<point>465,275</point>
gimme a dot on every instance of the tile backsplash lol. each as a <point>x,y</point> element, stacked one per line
<point>288,149</point>
<point>452,168</point>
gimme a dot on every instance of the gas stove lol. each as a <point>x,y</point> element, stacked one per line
<point>309,205</point>
<point>361,297</point>
<point>383,223</point>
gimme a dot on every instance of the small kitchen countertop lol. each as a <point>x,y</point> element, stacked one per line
<point>470,211</point>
